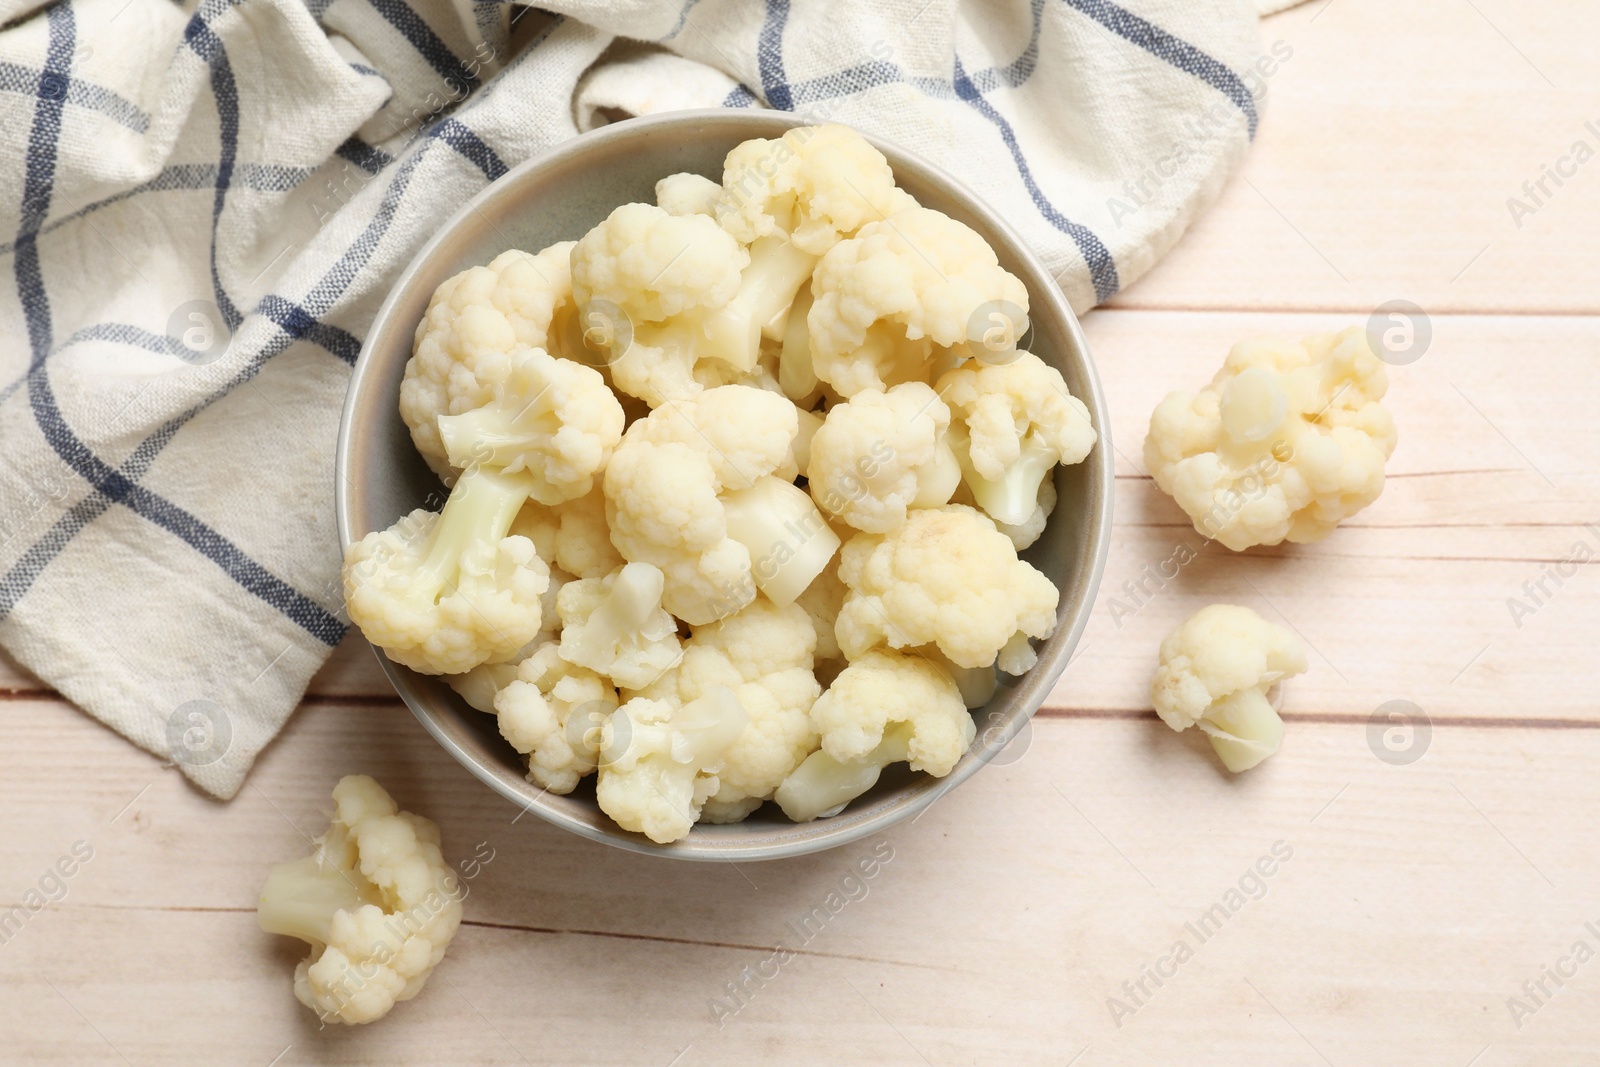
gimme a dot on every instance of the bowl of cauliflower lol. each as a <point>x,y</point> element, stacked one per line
<point>722,486</point>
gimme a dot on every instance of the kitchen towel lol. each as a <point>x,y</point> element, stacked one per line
<point>201,209</point>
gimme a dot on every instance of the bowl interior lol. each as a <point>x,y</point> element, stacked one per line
<point>558,197</point>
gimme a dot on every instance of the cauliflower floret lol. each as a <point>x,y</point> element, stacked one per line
<point>659,275</point>
<point>553,712</point>
<point>553,418</point>
<point>822,600</point>
<point>376,901</point>
<point>881,453</point>
<point>659,761</point>
<point>616,626</point>
<point>764,655</point>
<point>946,577</point>
<point>572,535</point>
<point>688,194</point>
<point>701,489</point>
<point>1286,442</point>
<point>815,185</point>
<point>900,292</point>
<point>1215,672</point>
<point>443,592</point>
<point>790,200</point>
<point>1024,534</point>
<point>1014,422</point>
<point>886,707</point>
<point>473,322</point>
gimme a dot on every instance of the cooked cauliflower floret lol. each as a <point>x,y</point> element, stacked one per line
<point>947,577</point>
<point>1014,422</point>
<point>1215,672</point>
<point>688,194</point>
<point>553,713</point>
<point>899,293</point>
<point>1286,442</point>
<point>443,592</point>
<point>616,626</point>
<point>886,707</point>
<point>814,185</point>
<point>376,901</point>
<point>465,339</point>
<point>701,489</point>
<point>822,600</point>
<point>572,535</point>
<point>660,274</point>
<point>553,418</point>
<point>881,453</point>
<point>659,761</point>
<point>764,655</point>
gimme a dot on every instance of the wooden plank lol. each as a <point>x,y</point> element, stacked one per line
<point>1389,145</point>
<point>1005,919</point>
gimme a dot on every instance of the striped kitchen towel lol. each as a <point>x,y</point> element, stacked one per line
<point>201,209</point>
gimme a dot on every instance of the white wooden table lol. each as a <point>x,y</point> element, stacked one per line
<point>1416,899</point>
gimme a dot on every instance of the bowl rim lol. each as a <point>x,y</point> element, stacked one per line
<point>1040,680</point>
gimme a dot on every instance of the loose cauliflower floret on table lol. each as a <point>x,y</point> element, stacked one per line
<point>763,655</point>
<point>946,578</point>
<point>702,489</point>
<point>881,453</point>
<point>885,707</point>
<point>1215,671</point>
<point>616,626</point>
<point>444,592</point>
<point>659,761</point>
<point>553,712</point>
<point>473,322</point>
<point>657,276</point>
<point>553,418</point>
<point>1012,423</point>
<point>376,902</point>
<point>1286,442</point>
<point>900,292</point>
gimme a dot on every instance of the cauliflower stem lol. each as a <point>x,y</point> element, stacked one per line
<point>768,285</point>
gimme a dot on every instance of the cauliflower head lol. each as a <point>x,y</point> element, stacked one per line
<point>1286,442</point>
<point>444,592</point>
<point>375,900</point>
<point>659,761</point>
<point>688,491</point>
<point>473,322</point>
<point>886,707</point>
<point>881,453</point>
<point>888,300</point>
<point>1215,671</point>
<point>815,185</point>
<point>553,418</point>
<point>553,712</point>
<point>763,655</point>
<point>1017,421</point>
<point>947,578</point>
<point>616,626</point>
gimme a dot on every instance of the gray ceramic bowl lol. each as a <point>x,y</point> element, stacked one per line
<point>557,197</point>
